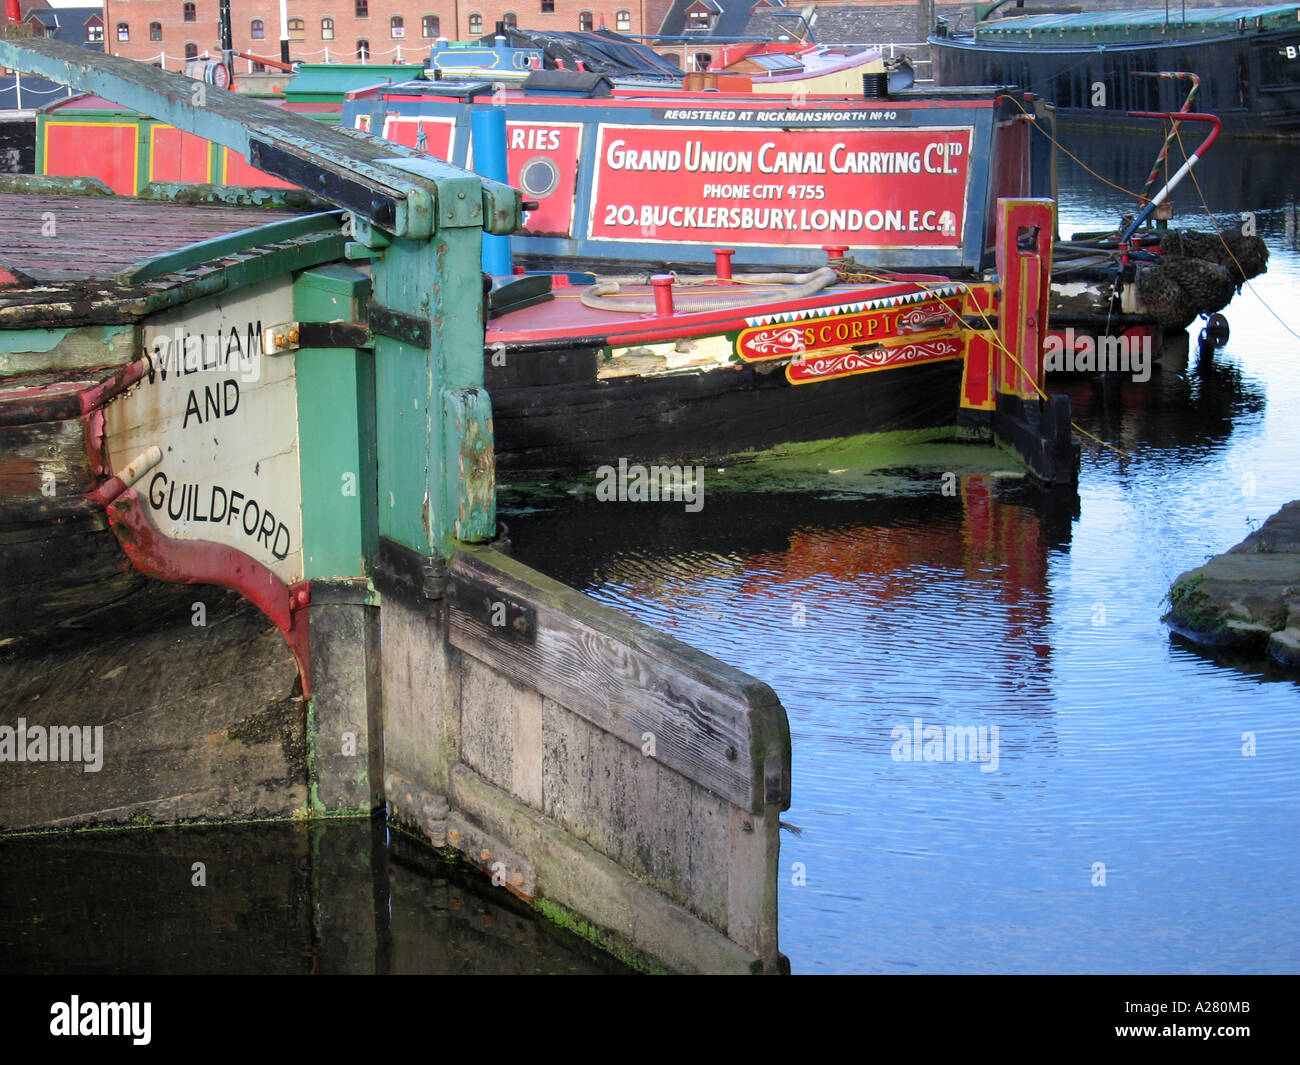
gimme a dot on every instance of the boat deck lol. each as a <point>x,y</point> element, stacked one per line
<point>92,238</point>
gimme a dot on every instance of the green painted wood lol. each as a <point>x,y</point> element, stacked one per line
<point>433,433</point>
<point>229,244</point>
<point>336,430</point>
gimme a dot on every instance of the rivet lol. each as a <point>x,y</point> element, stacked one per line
<point>279,340</point>
<point>485,854</point>
<point>461,195</point>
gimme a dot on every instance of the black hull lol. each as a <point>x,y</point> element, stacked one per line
<point>1247,82</point>
<point>550,412</point>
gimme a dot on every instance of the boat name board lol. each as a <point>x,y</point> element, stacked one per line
<point>225,417</point>
<point>789,338</point>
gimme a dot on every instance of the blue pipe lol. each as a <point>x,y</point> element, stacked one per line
<point>488,131</point>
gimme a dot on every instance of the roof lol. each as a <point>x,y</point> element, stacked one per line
<point>730,21</point>
<point>1143,21</point>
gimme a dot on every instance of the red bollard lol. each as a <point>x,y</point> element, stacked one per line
<point>723,258</point>
<point>663,284</point>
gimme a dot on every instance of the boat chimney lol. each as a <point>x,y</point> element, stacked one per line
<point>663,284</point>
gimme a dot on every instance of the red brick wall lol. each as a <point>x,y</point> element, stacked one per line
<point>453,18</point>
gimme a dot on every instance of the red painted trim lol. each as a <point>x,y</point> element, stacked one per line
<point>60,400</point>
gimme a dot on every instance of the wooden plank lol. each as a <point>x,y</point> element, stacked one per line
<point>713,724</point>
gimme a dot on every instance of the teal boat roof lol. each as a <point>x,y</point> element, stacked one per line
<point>1197,20</point>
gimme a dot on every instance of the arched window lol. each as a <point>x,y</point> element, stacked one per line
<point>584,20</point>
<point>191,50</point>
<point>123,31</point>
<point>475,24</point>
<point>396,26</point>
<point>187,12</point>
<point>363,51</point>
<point>623,21</point>
<point>430,27</point>
<point>327,29</point>
<point>510,19</point>
<point>297,29</point>
<point>258,30</point>
<point>155,31</point>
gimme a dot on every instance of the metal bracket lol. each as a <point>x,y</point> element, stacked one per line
<point>403,574</point>
<point>408,328</point>
<point>492,608</point>
<point>290,336</point>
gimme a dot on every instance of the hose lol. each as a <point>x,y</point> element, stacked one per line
<point>598,296</point>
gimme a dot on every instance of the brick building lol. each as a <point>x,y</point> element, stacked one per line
<point>382,31</point>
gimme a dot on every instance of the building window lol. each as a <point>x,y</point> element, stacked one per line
<point>95,32</point>
<point>363,51</point>
<point>623,21</point>
<point>297,29</point>
<point>187,13</point>
<point>258,30</point>
<point>698,20</point>
<point>259,68</point>
<point>191,50</point>
<point>548,7</point>
<point>155,31</point>
<point>510,19</point>
<point>584,20</point>
<point>123,31</point>
<point>327,29</point>
<point>363,8</point>
<point>429,26</point>
<point>475,24</point>
<point>396,26</point>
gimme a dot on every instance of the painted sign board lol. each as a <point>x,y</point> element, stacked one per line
<point>895,188</point>
<point>224,416</point>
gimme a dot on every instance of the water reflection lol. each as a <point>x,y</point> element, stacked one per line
<point>1124,830</point>
<point>270,898</point>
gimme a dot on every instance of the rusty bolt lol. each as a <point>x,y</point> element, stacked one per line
<point>485,854</point>
<point>517,880</point>
<point>293,336</point>
<point>453,835</point>
<point>279,340</point>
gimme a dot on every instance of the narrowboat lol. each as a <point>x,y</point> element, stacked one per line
<point>1098,66</point>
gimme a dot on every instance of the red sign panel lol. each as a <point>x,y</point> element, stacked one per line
<point>543,164</point>
<point>882,188</point>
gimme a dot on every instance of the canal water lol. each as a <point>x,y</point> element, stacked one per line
<point>337,897</point>
<point>1113,824</point>
<point>1120,827</point>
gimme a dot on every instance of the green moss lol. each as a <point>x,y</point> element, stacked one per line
<point>1191,607</point>
<point>611,943</point>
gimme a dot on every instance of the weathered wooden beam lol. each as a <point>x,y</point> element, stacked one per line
<point>360,173</point>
